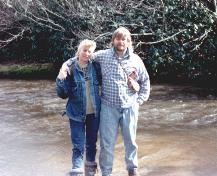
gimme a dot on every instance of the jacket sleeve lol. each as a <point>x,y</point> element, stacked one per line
<point>63,85</point>
<point>98,72</point>
<point>144,83</point>
<point>62,88</point>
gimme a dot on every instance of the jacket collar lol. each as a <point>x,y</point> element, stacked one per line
<point>77,65</point>
<point>127,53</point>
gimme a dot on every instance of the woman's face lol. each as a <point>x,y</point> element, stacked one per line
<point>85,54</point>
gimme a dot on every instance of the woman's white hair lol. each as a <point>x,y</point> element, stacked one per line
<point>86,43</point>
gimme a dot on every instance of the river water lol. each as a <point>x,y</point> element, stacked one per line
<point>177,132</point>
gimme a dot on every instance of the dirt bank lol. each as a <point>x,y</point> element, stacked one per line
<point>28,71</point>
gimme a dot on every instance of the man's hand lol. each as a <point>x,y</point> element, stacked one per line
<point>64,71</point>
<point>133,84</point>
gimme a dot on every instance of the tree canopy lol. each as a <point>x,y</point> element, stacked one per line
<point>175,38</point>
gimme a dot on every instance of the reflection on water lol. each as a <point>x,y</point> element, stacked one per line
<point>177,132</point>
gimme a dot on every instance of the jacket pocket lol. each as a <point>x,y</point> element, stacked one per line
<point>76,91</point>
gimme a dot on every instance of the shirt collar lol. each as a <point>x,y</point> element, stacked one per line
<point>127,54</point>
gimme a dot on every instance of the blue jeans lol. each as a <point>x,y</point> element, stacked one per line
<point>110,120</point>
<point>84,133</point>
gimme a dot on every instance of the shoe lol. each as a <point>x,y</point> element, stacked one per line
<point>133,172</point>
<point>77,172</point>
<point>90,168</point>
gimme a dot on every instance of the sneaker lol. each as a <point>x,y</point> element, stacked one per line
<point>77,172</point>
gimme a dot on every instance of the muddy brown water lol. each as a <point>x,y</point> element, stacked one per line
<point>177,132</point>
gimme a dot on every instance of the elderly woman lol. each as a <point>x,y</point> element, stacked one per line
<point>81,87</point>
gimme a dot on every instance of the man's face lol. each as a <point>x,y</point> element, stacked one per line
<point>120,44</point>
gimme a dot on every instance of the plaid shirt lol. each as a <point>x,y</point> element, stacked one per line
<point>115,90</point>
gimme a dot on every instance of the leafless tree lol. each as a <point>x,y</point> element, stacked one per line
<point>53,14</point>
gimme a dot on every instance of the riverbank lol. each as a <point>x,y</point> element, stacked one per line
<point>28,71</point>
<point>49,71</point>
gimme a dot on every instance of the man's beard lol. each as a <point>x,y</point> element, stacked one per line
<point>120,48</point>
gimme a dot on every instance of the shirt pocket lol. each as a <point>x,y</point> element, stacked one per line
<point>109,69</point>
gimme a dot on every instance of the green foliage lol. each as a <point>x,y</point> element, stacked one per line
<point>177,39</point>
<point>190,55</point>
<point>30,71</point>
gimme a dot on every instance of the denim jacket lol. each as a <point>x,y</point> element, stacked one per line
<point>73,88</point>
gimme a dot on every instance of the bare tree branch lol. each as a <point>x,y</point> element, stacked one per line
<point>102,35</point>
<point>12,37</point>
<point>162,40</point>
<point>58,15</point>
<point>199,39</point>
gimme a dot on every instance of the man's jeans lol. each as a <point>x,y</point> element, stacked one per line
<point>110,120</point>
<point>78,140</point>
